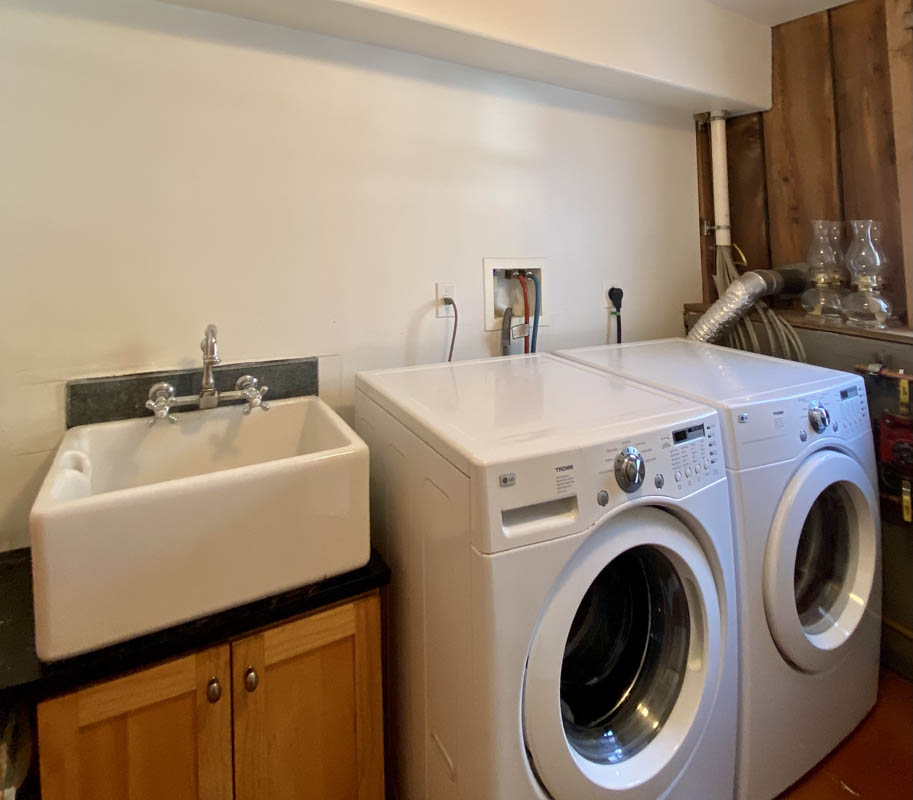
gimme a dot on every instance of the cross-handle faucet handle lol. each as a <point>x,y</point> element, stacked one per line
<point>252,392</point>
<point>161,398</point>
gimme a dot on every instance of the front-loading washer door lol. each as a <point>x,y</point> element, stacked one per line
<point>821,558</point>
<point>624,663</point>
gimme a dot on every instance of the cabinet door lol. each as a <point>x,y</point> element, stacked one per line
<point>152,734</point>
<point>307,708</point>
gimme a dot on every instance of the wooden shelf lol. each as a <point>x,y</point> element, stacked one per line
<point>692,57</point>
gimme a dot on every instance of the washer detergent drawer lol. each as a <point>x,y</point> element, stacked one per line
<point>540,518</point>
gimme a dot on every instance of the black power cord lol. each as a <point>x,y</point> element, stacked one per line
<point>615,295</point>
<point>449,301</point>
<point>506,321</point>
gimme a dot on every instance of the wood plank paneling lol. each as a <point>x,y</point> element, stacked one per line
<point>837,142</point>
<point>705,209</point>
<point>800,137</point>
<point>900,63</point>
<point>748,189</point>
<point>865,124</point>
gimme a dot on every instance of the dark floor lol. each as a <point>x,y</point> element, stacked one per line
<point>876,761</point>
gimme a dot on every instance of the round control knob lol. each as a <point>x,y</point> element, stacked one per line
<point>818,417</point>
<point>659,481</point>
<point>602,497</point>
<point>630,469</point>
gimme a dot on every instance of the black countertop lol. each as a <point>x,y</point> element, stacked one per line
<point>22,675</point>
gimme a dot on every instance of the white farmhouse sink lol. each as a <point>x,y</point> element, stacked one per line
<point>137,528</point>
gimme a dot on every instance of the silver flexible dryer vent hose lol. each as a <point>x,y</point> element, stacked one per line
<point>735,302</point>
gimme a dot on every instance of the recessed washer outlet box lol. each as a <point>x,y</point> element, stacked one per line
<point>502,291</point>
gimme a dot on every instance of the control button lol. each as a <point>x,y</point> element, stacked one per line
<point>678,475</point>
<point>836,426</point>
<point>697,468</point>
<point>743,417</point>
<point>706,465</point>
<point>602,497</point>
<point>803,435</point>
<point>687,472</point>
<point>659,481</point>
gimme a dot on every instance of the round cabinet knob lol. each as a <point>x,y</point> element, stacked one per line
<point>818,417</point>
<point>251,679</point>
<point>630,469</point>
<point>213,690</point>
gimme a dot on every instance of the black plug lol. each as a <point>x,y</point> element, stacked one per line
<point>615,295</point>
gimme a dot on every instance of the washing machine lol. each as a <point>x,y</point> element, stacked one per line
<point>561,617</point>
<point>801,464</point>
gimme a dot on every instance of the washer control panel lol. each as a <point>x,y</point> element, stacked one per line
<point>671,462</point>
<point>565,492</point>
<point>777,430</point>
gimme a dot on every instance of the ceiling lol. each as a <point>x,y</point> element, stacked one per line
<point>773,12</point>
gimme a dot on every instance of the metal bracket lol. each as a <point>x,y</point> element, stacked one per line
<point>519,331</point>
<point>707,227</point>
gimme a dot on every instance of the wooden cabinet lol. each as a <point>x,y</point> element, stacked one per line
<point>312,726</point>
<point>149,734</point>
<point>293,711</point>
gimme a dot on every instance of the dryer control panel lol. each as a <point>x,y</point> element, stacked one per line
<point>778,430</point>
<point>562,493</point>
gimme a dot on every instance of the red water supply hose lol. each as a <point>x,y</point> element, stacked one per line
<point>522,279</point>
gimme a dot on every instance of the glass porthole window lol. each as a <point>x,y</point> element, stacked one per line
<point>625,656</point>
<point>822,561</point>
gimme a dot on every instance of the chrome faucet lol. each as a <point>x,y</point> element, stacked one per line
<point>209,397</point>
<point>162,397</point>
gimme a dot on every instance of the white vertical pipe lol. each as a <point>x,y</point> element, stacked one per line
<point>720,177</point>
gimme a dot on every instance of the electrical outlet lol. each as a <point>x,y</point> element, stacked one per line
<point>442,290</point>
<point>502,291</point>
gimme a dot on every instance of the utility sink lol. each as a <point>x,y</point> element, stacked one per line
<point>139,527</point>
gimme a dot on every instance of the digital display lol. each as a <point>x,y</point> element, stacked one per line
<point>688,434</point>
<point>845,394</point>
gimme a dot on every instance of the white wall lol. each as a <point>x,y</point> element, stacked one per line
<point>163,168</point>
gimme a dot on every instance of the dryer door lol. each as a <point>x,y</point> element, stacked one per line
<point>624,664</point>
<point>821,559</point>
